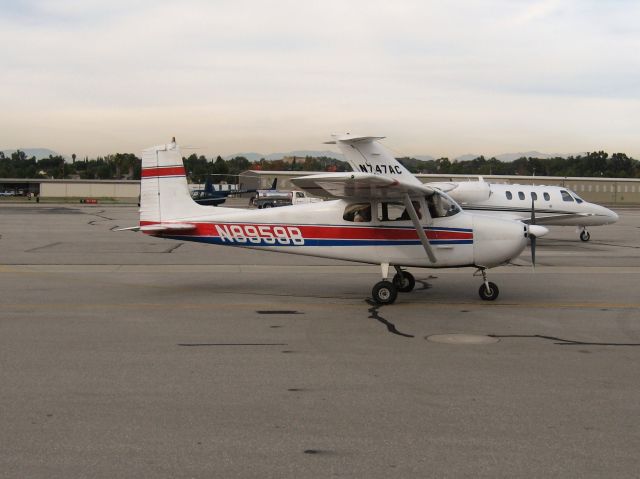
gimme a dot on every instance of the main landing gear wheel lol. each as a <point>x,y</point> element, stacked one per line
<point>585,235</point>
<point>488,291</point>
<point>384,292</point>
<point>404,282</point>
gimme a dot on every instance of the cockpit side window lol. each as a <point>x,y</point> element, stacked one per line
<point>566,196</point>
<point>509,195</point>
<point>395,211</point>
<point>358,213</point>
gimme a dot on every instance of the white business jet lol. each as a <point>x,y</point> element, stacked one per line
<point>385,216</point>
<point>551,205</point>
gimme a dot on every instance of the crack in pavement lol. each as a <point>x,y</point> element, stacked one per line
<point>559,341</point>
<point>375,314</point>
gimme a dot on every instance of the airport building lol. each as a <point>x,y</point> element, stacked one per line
<point>126,191</point>
<point>609,191</point>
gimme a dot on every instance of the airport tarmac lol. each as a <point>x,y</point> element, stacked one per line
<point>124,355</point>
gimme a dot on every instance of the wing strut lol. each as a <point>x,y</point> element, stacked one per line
<point>416,222</point>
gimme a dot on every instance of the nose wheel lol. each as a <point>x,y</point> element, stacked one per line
<point>488,290</point>
<point>585,235</point>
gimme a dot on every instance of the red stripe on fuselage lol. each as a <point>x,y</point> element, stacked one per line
<point>339,232</point>
<point>348,232</point>
<point>163,171</point>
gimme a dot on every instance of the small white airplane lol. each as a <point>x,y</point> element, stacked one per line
<point>385,216</point>
<point>552,205</point>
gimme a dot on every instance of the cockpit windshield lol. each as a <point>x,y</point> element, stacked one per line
<point>441,205</point>
<point>577,198</point>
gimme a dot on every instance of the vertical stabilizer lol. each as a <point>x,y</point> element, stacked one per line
<point>164,193</point>
<point>366,154</point>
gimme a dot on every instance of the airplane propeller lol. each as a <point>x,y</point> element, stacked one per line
<point>532,237</point>
<point>534,231</point>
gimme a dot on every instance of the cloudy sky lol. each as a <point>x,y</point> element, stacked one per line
<point>435,77</point>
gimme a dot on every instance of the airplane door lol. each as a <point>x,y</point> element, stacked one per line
<point>450,232</point>
<point>397,240</point>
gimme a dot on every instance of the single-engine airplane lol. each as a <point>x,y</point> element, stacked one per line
<point>385,216</point>
<point>554,205</point>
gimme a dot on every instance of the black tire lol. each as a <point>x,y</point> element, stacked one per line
<point>404,283</point>
<point>491,294</point>
<point>268,205</point>
<point>585,236</point>
<point>384,292</point>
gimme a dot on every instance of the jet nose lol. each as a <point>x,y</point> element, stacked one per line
<point>606,215</point>
<point>497,241</point>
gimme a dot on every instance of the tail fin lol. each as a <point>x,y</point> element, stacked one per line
<point>367,155</point>
<point>164,193</point>
<point>208,185</point>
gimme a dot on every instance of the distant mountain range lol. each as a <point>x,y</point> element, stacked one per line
<point>506,157</point>
<point>252,156</point>
<point>39,153</point>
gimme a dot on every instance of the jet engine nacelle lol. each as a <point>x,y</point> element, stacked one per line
<point>470,192</point>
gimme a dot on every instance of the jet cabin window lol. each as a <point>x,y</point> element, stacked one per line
<point>358,213</point>
<point>521,195</point>
<point>566,196</point>
<point>546,196</point>
<point>534,196</point>
<point>509,195</point>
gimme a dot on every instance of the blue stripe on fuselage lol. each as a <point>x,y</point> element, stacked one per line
<point>316,242</point>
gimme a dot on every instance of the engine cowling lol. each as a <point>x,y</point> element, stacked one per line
<point>470,192</point>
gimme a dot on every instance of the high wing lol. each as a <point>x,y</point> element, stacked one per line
<point>363,186</point>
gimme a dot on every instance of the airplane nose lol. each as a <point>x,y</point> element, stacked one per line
<point>496,240</point>
<point>613,216</point>
<point>606,214</point>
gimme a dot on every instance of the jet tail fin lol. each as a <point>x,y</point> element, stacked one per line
<point>367,155</point>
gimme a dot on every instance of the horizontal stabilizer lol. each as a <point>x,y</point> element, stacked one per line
<point>166,227</point>
<point>349,139</point>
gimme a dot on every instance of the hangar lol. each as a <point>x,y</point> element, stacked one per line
<point>126,191</point>
<point>610,191</point>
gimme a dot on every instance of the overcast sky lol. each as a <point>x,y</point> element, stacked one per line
<point>434,77</point>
